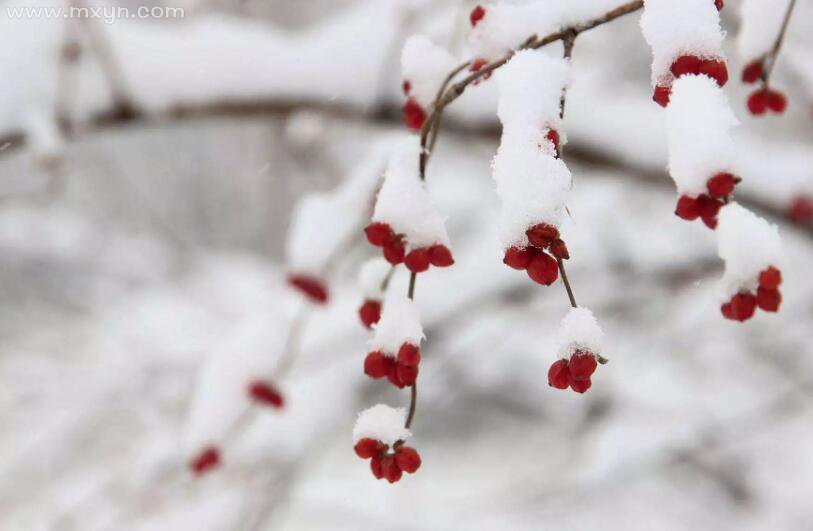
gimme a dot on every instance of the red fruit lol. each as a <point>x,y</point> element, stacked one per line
<point>708,208</point>
<point>687,208</point>
<point>392,376</point>
<point>417,260</point>
<point>661,95</point>
<point>406,375</point>
<point>394,251</point>
<point>768,299</point>
<point>407,459</point>
<point>406,86</point>
<point>580,386</point>
<point>376,466</point>
<point>743,306</point>
<point>752,72</point>
<point>727,311</point>
<point>542,234</point>
<point>477,15</point>
<point>553,136</point>
<point>208,459</point>
<point>440,256</point>
<point>517,258</point>
<point>686,64</point>
<point>367,448</point>
<point>476,65</point>
<point>559,249</point>
<point>377,365</point>
<point>776,101</point>
<point>721,185</point>
<point>543,269</point>
<point>758,102</point>
<point>414,115</point>
<point>409,355</point>
<point>311,287</point>
<point>801,209</point>
<point>378,234</point>
<point>719,4</point>
<point>582,365</point>
<point>390,469</point>
<point>370,312</point>
<point>710,222</point>
<point>266,394</point>
<point>559,374</point>
<point>770,279</point>
<point>716,70</point>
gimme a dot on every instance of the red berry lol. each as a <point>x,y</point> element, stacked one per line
<point>687,208</point>
<point>477,15</point>
<point>440,256</point>
<point>409,355</point>
<point>394,251</point>
<point>752,72</point>
<point>265,393</point>
<point>542,234</point>
<point>417,260</point>
<point>370,312</point>
<point>768,299</point>
<point>686,64</point>
<point>726,310</point>
<point>801,209</point>
<point>390,469</point>
<point>580,386</point>
<point>719,4</point>
<point>392,376</point>
<point>721,185</point>
<point>517,258</point>
<point>378,234</point>
<point>407,459</point>
<point>208,459</point>
<point>743,306</point>
<point>776,101</point>
<point>661,95</point>
<point>376,466</point>
<point>406,375</point>
<point>311,287</point>
<point>708,208</point>
<point>582,365</point>
<point>559,249</point>
<point>543,269</point>
<point>559,374</point>
<point>367,448</point>
<point>758,102</point>
<point>377,365</point>
<point>406,86</point>
<point>710,222</point>
<point>476,66</point>
<point>553,136</point>
<point>716,70</point>
<point>414,115</point>
<point>770,278</point>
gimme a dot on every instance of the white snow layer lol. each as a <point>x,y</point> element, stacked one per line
<point>382,423</point>
<point>400,323</point>
<point>760,22</point>
<point>579,330</point>
<point>698,123</point>
<point>748,244</point>
<point>404,203</point>
<point>425,65</point>
<point>674,28</point>
<point>371,276</point>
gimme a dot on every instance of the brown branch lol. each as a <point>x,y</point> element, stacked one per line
<point>769,61</point>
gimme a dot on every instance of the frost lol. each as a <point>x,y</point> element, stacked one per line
<point>579,330</point>
<point>761,21</point>
<point>371,277</point>
<point>400,323</point>
<point>404,203</point>
<point>698,122</point>
<point>382,423</point>
<point>425,66</point>
<point>748,244</point>
<point>45,140</point>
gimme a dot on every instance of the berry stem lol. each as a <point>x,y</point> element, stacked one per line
<point>566,282</point>
<point>770,60</point>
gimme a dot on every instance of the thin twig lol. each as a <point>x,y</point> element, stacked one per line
<point>770,60</point>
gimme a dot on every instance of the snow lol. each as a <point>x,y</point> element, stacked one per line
<point>404,203</point>
<point>382,423</point>
<point>371,277</point>
<point>698,123</point>
<point>748,244</point>
<point>45,139</point>
<point>400,323</point>
<point>579,330</point>
<point>760,23</point>
<point>674,28</point>
<point>425,65</point>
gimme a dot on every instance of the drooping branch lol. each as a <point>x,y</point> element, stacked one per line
<point>770,59</point>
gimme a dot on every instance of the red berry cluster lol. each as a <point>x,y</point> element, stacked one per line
<point>707,206</point>
<point>692,64</point>
<point>384,464</point>
<point>313,288</point>
<point>370,312</point>
<point>265,393</point>
<point>400,370</point>
<point>800,209</point>
<point>394,247</point>
<point>742,306</point>
<point>477,15</point>
<point>574,373</point>
<point>208,459</point>
<point>540,266</point>
<point>763,99</point>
